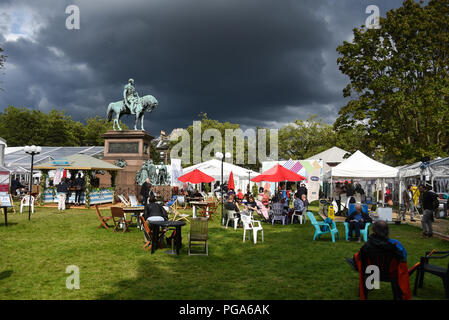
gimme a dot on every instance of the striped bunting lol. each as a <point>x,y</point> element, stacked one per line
<point>296,167</point>
<point>289,164</point>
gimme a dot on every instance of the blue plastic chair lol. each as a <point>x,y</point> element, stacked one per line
<point>364,232</point>
<point>332,229</point>
<point>351,208</point>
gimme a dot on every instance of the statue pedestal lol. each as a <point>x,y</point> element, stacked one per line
<point>133,146</point>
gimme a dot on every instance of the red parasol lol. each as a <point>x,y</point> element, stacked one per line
<point>277,174</point>
<point>231,182</point>
<point>196,176</point>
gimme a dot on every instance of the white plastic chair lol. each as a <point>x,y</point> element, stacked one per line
<point>299,214</point>
<point>251,225</point>
<point>231,216</point>
<point>25,202</point>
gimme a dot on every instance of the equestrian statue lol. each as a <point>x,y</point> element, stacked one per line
<point>131,104</point>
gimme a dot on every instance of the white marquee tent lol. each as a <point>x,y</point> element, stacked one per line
<point>213,169</point>
<point>360,166</point>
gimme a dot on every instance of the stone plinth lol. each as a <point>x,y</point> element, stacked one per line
<point>134,147</point>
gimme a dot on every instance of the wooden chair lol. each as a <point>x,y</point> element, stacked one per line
<point>118,216</point>
<point>103,220</point>
<point>199,233</point>
<point>147,233</point>
<point>209,211</point>
<point>178,215</point>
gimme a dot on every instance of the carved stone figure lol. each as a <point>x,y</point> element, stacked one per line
<point>131,104</point>
<point>121,163</point>
<point>162,175</point>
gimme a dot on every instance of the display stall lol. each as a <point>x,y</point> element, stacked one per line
<point>89,167</point>
<point>361,167</point>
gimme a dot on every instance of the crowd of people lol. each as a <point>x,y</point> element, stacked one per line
<point>265,204</point>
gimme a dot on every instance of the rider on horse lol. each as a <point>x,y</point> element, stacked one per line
<point>131,98</point>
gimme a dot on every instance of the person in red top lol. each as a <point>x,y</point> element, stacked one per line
<point>240,194</point>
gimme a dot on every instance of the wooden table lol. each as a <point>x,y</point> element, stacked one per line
<point>135,211</point>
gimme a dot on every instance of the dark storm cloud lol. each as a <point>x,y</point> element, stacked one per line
<point>253,62</point>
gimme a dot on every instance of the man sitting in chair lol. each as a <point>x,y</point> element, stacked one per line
<point>379,241</point>
<point>357,221</point>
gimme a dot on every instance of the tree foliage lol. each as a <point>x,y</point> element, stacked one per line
<point>399,83</point>
<point>22,126</point>
<point>206,124</point>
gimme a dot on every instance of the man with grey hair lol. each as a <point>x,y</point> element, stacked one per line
<point>357,221</point>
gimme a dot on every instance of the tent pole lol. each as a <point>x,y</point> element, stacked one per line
<point>383,192</point>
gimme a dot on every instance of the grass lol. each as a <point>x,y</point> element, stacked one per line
<point>34,256</point>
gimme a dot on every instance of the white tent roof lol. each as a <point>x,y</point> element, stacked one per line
<point>213,169</point>
<point>361,166</point>
<point>332,155</point>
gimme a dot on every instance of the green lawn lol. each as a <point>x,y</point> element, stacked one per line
<point>288,265</point>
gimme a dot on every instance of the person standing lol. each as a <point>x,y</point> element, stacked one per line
<point>145,190</point>
<point>79,186</point>
<point>430,203</point>
<point>62,190</point>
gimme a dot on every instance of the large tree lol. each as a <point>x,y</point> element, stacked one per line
<point>22,126</point>
<point>208,145</point>
<point>399,83</point>
<point>304,138</point>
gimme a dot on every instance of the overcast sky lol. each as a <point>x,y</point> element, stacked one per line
<point>253,62</point>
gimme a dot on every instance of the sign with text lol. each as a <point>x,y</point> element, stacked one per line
<point>5,199</point>
<point>4,181</point>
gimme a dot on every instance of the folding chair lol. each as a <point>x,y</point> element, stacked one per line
<point>147,233</point>
<point>119,218</point>
<point>133,201</point>
<point>179,216</point>
<point>103,220</point>
<point>199,233</point>
<point>209,211</point>
<point>124,201</point>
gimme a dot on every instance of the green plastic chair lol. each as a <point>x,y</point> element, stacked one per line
<point>332,229</point>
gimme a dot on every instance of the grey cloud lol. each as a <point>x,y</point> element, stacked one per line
<point>241,61</point>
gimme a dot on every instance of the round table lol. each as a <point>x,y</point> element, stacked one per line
<point>155,226</point>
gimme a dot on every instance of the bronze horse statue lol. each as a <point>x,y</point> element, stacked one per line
<point>146,103</point>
